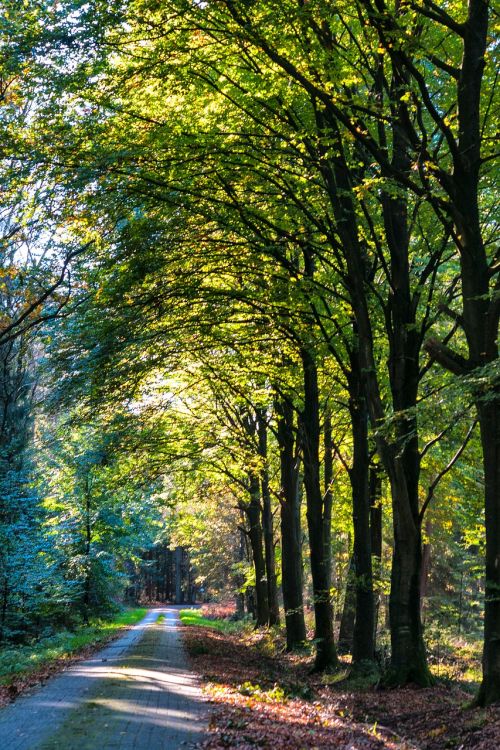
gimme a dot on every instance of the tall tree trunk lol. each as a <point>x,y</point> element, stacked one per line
<point>267,522</point>
<point>426,565</point>
<point>291,542</point>
<point>240,579</point>
<point>408,656</point>
<point>479,282</point>
<point>254,514</point>
<point>325,649</point>
<point>408,652</point>
<point>489,420</point>
<point>348,619</point>
<point>376,536</point>
<point>481,309</point>
<point>363,644</point>
<point>402,459</point>
<point>328,495</point>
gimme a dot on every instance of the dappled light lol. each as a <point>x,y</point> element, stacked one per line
<point>275,701</point>
<point>137,686</point>
<point>249,375</point>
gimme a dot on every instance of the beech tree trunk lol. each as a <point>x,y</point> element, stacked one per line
<point>400,457</point>
<point>480,316</point>
<point>328,495</point>
<point>291,541</point>
<point>253,512</point>
<point>240,580</point>
<point>364,628</point>
<point>408,655</point>
<point>480,322</point>
<point>479,282</point>
<point>426,565</point>
<point>320,562</point>
<point>489,420</point>
<point>267,523</point>
<point>376,537</point>
<point>348,619</point>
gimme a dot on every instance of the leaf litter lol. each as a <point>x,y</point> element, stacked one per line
<point>261,699</point>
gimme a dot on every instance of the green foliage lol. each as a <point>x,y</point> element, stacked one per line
<point>99,511</point>
<point>454,658</point>
<point>275,695</point>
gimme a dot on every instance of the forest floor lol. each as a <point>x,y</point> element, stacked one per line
<point>263,697</point>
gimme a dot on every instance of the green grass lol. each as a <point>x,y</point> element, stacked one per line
<point>22,660</point>
<point>195,617</point>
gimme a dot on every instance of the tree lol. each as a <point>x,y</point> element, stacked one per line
<point>292,199</point>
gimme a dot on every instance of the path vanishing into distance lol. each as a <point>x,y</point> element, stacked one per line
<point>137,692</point>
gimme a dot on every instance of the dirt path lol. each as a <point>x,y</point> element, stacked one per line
<point>138,692</point>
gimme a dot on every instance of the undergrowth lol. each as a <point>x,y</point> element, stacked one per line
<point>453,659</point>
<point>20,660</point>
<point>197,618</point>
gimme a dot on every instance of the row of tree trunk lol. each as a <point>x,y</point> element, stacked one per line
<point>299,437</point>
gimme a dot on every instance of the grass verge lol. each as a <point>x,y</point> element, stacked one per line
<point>196,618</point>
<point>20,662</point>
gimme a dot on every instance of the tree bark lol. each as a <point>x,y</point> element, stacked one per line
<point>480,321</point>
<point>408,656</point>
<point>376,537</point>
<point>254,514</point>
<point>479,281</point>
<point>348,619</point>
<point>480,315</point>
<point>240,580</point>
<point>291,536</point>
<point>400,457</point>
<point>489,420</point>
<point>325,649</point>
<point>363,643</point>
<point>328,495</point>
<point>267,522</point>
<point>426,566</point>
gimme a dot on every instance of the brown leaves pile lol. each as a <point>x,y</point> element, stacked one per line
<point>256,701</point>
